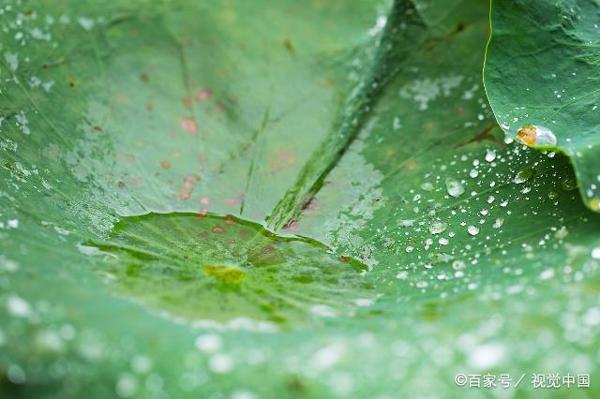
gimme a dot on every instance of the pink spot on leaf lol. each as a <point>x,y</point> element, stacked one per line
<point>189,182</point>
<point>203,94</point>
<point>189,125</point>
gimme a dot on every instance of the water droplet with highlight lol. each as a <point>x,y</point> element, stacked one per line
<point>522,176</point>
<point>473,230</point>
<point>536,136</point>
<point>454,187</point>
<point>437,227</point>
<point>490,155</point>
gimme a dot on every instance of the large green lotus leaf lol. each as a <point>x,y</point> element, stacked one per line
<point>237,199</point>
<point>543,69</point>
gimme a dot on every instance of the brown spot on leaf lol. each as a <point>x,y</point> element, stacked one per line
<point>165,164</point>
<point>187,102</point>
<point>287,43</point>
<point>144,78</point>
<point>328,83</point>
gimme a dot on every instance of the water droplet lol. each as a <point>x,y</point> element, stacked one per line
<point>406,222</point>
<point>422,284</point>
<point>126,386</point>
<point>473,230</point>
<point>437,227</point>
<point>454,187</point>
<point>498,223</point>
<point>427,186</point>
<point>490,155</point>
<point>458,265</point>
<point>523,176</point>
<point>473,173</point>
<point>17,306</point>
<point>220,363</point>
<point>562,233</point>
<point>547,274</point>
<point>403,275</point>
<point>534,135</point>
<point>596,253</point>
<point>208,343</point>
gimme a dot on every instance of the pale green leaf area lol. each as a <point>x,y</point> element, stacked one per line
<point>259,199</point>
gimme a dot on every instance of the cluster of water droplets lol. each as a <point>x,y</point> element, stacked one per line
<point>465,208</point>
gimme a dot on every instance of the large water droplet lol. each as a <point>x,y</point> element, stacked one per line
<point>536,136</point>
<point>498,223</point>
<point>473,230</point>
<point>490,155</point>
<point>454,187</point>
<point>437,227</point>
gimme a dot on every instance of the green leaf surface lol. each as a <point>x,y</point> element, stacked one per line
<point>236,199</point>
<point>543,69</point>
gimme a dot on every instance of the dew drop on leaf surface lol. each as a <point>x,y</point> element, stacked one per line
<point>473,230</point>
<point>454,187</point>
<point>536,136</point>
